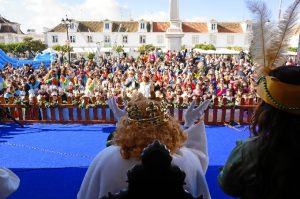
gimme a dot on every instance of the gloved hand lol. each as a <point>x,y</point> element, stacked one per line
<point>118,113</point>
<point>192,114</point>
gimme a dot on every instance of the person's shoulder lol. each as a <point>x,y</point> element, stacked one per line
<point>109,150</point>
<point>249,147</point>
<point>249,141</point>
<point>108,154</point>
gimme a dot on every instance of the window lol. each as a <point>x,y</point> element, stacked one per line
<point>72,25</point>
<point>212,39</point>
<point>125,39</point>
<point>230,39</point>
<point>107,39</point>
<point>2,39</point>
<point>248,28</point>
<point>247,40</point>
<point>160,39</point>
<point>72,39</point>
<point>106,26</point>
<point>142,39</point>
<point>142,25</point>
<point>10,38</point>
<point>54,39</point>
<point>89,39</point>
<point>195,39</point>
<point>213,26</point>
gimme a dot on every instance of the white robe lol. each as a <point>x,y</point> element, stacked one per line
<point>9,182</point>
<point>145,89</point>
<point>107,172</point>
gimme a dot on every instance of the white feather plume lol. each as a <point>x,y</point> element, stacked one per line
<point>280,39</point>
<point>271,41</point>
<point>261,33</point>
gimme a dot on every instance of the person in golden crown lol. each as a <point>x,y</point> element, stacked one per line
<point>143,121</point>
<point>265,166</point>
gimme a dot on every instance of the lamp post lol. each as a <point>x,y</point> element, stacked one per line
<point>66,21</point>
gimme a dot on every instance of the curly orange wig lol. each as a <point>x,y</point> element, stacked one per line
<point>133,137</point>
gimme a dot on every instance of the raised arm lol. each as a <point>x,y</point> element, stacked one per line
<point>118,113</point>
<point>197,140</point>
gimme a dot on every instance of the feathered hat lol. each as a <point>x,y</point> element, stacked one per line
<point>270,42</point>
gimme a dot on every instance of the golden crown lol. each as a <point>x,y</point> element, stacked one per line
<point>155,113</point>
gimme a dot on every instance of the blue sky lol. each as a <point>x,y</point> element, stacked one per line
<point>221,10</point>
<point>224,10</point>
<point>48,13</point>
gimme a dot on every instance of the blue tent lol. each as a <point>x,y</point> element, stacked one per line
<point>46,58</point>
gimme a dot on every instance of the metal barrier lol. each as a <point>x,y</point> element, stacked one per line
<point>219,113</point>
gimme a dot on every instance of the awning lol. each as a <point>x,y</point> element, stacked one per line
<point>218,51</point>
<point>105,49</point>
<point>290,53</point>
<point>83,50</point>
<point>126,50</point>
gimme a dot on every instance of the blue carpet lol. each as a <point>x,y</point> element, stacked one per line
<point>51,160</point>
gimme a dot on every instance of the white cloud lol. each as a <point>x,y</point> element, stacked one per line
<point>155,16</point>
<point>48,13</point>
<point>197,19</point>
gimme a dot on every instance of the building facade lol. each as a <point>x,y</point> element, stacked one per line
<point>10,32</point>
<point>88,35</point>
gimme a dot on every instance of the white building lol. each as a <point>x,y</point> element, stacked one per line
<point>10,32</point>
<point>36,36</point>
<point>88,35</point>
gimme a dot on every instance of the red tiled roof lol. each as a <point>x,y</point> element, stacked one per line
<point>4,21</point>
<point>160,26</point>
<point>90,26</point>
<point>125,26</point>
<point>83,26</point>
<point>59,28</point>
<point>194,27</point>
<point>132,26</point>
<point>230,27</point>
<point>7,29</point>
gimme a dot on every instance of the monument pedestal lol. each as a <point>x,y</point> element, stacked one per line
<point>174,40</point>
<point>174,32</point>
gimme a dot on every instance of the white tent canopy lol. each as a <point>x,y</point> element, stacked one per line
<point>218,51</point>
<point>82,50</point>
<point>104,49</point>
<point>290,53</point>
<point>49,50</point>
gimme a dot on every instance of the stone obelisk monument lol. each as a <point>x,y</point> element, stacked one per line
<point>174,32</point>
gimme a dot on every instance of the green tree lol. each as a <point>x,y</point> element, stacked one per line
<point>205,46</point>
<point>146,48</point>
<point>10,47</point>
<point>3,47</point>
<point>62,49</point>
<point>118,49</point>
<point>292,49</point>
<point>33,46</point>
<point>20,47</point>
<point>57,47</point>
<point>91,56</point>
<point>236,48</point>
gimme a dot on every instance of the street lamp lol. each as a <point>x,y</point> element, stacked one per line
<point>67,23</point>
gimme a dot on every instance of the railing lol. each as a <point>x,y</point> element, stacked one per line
<point>219,113</point>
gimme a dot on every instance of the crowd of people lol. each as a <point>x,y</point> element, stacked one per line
<point>263,166</point>
<point>179,77</point>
